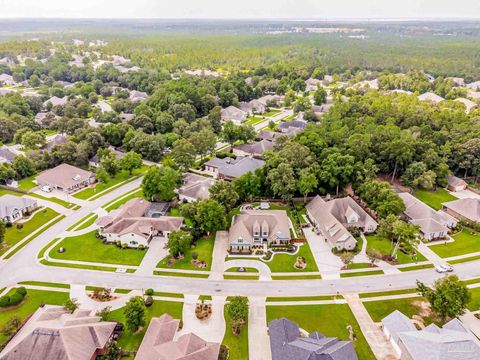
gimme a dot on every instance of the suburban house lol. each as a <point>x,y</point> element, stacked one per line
<point>194,187</point>
<point>452,341</point>
<point>203,73</point>
<point>469,104</point>
<point>136,223</point>
<point>54,333</point>
<point>268,135</point>
<point>126,117</point>
<point>104,106</point>
<point>291,128</point>
<point>159,343</point>
<point>95,160</point>
<point>253,107</point>
<point>312,84</point>
<point>229,169</point>
<point>271,100</point>
<point>456,184</point>
<point>137,96</point>
<point>234,114</point>
<point>13,208</point>
<point>433,224</point>
<point>6,79</point>
<point>475,86</point>
<point>253,149</point>
<point>66,178</point>
<point>56,140</point>
<point>258,227</point>
<point>6,155</point>
<point>333,219</point>
<point>463,209</point>
<point>288,342</point>
<point>429,96</point>
<point>56,101</point>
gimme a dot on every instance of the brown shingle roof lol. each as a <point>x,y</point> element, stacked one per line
<point>64,176</point>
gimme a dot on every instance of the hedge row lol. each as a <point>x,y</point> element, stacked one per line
<point>14,299</point>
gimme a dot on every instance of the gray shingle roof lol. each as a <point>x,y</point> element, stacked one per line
<point>233,168</point>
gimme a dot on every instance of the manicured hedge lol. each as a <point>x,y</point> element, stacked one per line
<point>14,299</point>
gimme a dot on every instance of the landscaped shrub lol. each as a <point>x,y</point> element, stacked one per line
<point>124,246</point>
<point>149,301</point>
<point>21,290</point>
<point>118,243</point>
<point>194,255</point>
<point>4,301</point>
<point>141,247</point>
<point>149,292</point>
<point>14,299</point>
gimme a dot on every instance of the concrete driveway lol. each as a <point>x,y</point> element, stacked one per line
<point>328,264</point>
<point>258,339</point>
<point>465,194</point>
<point>263,269</point>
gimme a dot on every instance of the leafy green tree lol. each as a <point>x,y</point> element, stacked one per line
<point>33,139</point>
<point>306,183</point>
<point>2,231</point>
<point>237,310</point>
<point>23,166</point>
<point>102,175</point>
<point>183,152</point>
<point>6,172</point>
<point>160,182</point>
<point>224,193</point>
<point>178,242</point>
<point>108,161</point>
<point>282,181</point>
<point>204,142</point>
<point>248,185</point>
<point>448,296</point>
<point>104,313</point>
<point>131,161</point>
<point>320,96</point>
<point>134,313</point>
<point>71,305</point>
<point>336,170</point>
<point>210,216</point>
<point>113,351</point>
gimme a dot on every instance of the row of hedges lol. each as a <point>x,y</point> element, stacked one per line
<point>14,299</point>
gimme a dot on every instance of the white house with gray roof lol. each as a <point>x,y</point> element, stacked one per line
<point>195,187</point>
<point>253,149</point>
<point>229,169</point>
<point>450,342</point>
<point>234,114</point>
<point>288,343</point>
<point>14,208</point>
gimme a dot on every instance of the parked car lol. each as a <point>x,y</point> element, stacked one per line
<point>46,188</point>
<point>440,269</point>
<point>447,267</point>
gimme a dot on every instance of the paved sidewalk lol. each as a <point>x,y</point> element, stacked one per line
<point>218,257</point>
<point>213,329</point>
<point>155,252</point>
<point>429,254</point>
<point>258,339</point>
<point>379,344</point>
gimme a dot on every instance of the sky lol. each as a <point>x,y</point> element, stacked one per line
<point>242,9</point>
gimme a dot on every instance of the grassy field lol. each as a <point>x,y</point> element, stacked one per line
<point>115,203</point>
<point>464,243</point>
<point>253,120</point>
<point>38,219</point>
<point>110,185</point>
<point>237,345</point>
<point>131,341</point>
<point>358,266</point>
<point>31,303</point>
<point>286,262</point>
<point>203,248</point>
<point>474,303</point>
<point>380,309</point>
<point>385,247</point>
<point>434,199</point>
<point>387,293</point>
<point>88,248</point>
<point>330,320</point>
<point>248,270</point>
<point>271,113</point>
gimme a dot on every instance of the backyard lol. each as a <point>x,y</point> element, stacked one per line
<point>237,345</point>
<point>384,246</point>
<point>31,303</point>
<point>203,248</point>
<point>465,243</point>
<point>14,235</point>
<point>330,320</point>
<point>434,199</point>
<point>131,341</point>
<point>89,248</point>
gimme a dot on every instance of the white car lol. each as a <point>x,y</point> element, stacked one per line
<point>440,269</point>
<point>46,188</point>
<point>447,267</point>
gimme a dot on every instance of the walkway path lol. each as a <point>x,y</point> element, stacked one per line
<point>328,264</point>
<point>213,329</point>
<point>218,257</point>
<point>155,252</point>
<point>263,269</point>
<point>362,257</point>
<point>379,344</point>
<point>78,292</point>
<point>429,254</point>
<point>258,339</point>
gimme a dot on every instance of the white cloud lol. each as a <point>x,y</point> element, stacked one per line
<point>236,9</point>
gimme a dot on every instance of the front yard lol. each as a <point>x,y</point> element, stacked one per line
<point>131,341</point>
<point>89,248</point>
<point>14,235</point>
<point>408,306</point>
<point>203,248</point>
<point>29,305</point>
<point>464,243</point>
<point>237,345</point>
<point>385,247</point>
<point>330,320</point>
<point>474,303</point>
<point>434,199</point>
<point>285,262</point>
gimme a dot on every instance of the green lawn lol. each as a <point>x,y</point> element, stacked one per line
<point>297,277</point>
<point>27,183</point>
<point>248,270</point>
<point>434,199</point>
<point>131,341</point>
<point>271,113</point>
<point>464,243</point>
<point>304,298</point>
<point>286,262</point>
<point>330,320</point>
<point>236,277</point>
<point>42,252</point>
<point>462,260</point>
<point>380,309</point>
<point>237,345</point>
<point>253,120</point>
<point>474,304</point>
<point>10,192</point>
<point>56,200</point>
<point>88,248</point>
<point>416,267</point>
<point>115,203</point>
<point>31,303</point>
<point>358,266</point>
<point>387,293</point>
<point>86,224</point>
<point>361,273</point>
<point>38,219</point>
<point>176,212</point>
<point>74,226</point>
<point>78,266</point>
<point>179,274</point>
<point>43,283</point>
<point>203,248</point>
<point>385,247</point>
<point>93,191</point>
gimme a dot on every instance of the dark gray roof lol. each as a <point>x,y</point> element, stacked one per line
<point>294,123</point>
<point>234,168</point>
<point>7,154</point>
<point>286,343</point>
